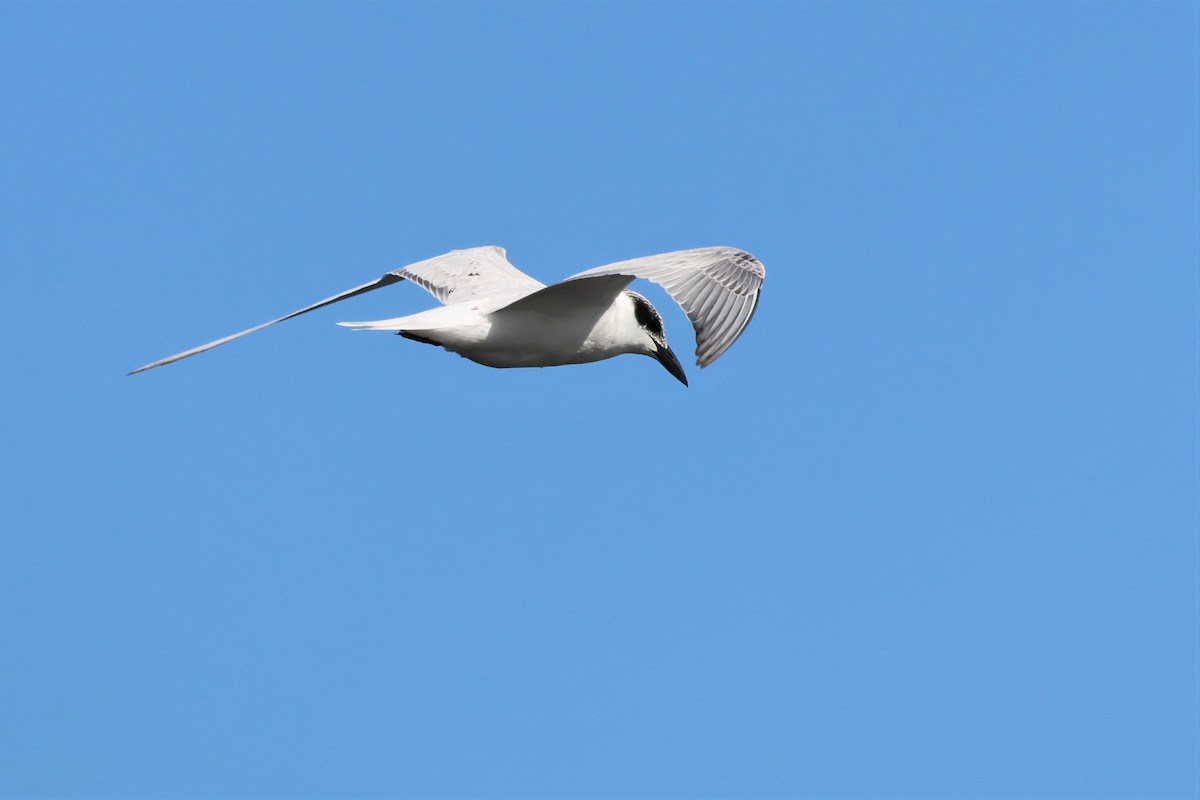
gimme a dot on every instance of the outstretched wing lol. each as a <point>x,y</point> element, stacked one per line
<point>457,276</point>
<point>717,287</point>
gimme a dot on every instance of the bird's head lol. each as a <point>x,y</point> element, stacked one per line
<point>656,340</point>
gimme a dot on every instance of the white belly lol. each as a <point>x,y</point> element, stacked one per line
<point>533,339</point>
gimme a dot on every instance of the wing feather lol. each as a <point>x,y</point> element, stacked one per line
<point>724,314</point>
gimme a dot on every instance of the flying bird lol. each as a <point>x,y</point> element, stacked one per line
<point>496,315</point>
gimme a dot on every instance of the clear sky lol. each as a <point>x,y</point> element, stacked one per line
<point>928,529</point>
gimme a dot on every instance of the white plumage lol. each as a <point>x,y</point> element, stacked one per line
<point>496,315</point>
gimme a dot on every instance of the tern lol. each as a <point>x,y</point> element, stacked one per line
<point>496,315</point>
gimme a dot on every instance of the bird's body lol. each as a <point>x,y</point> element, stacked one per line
<point>497,316</point>
<point>522,336</point>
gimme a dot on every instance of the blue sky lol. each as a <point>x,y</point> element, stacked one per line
<point>928,529</point>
